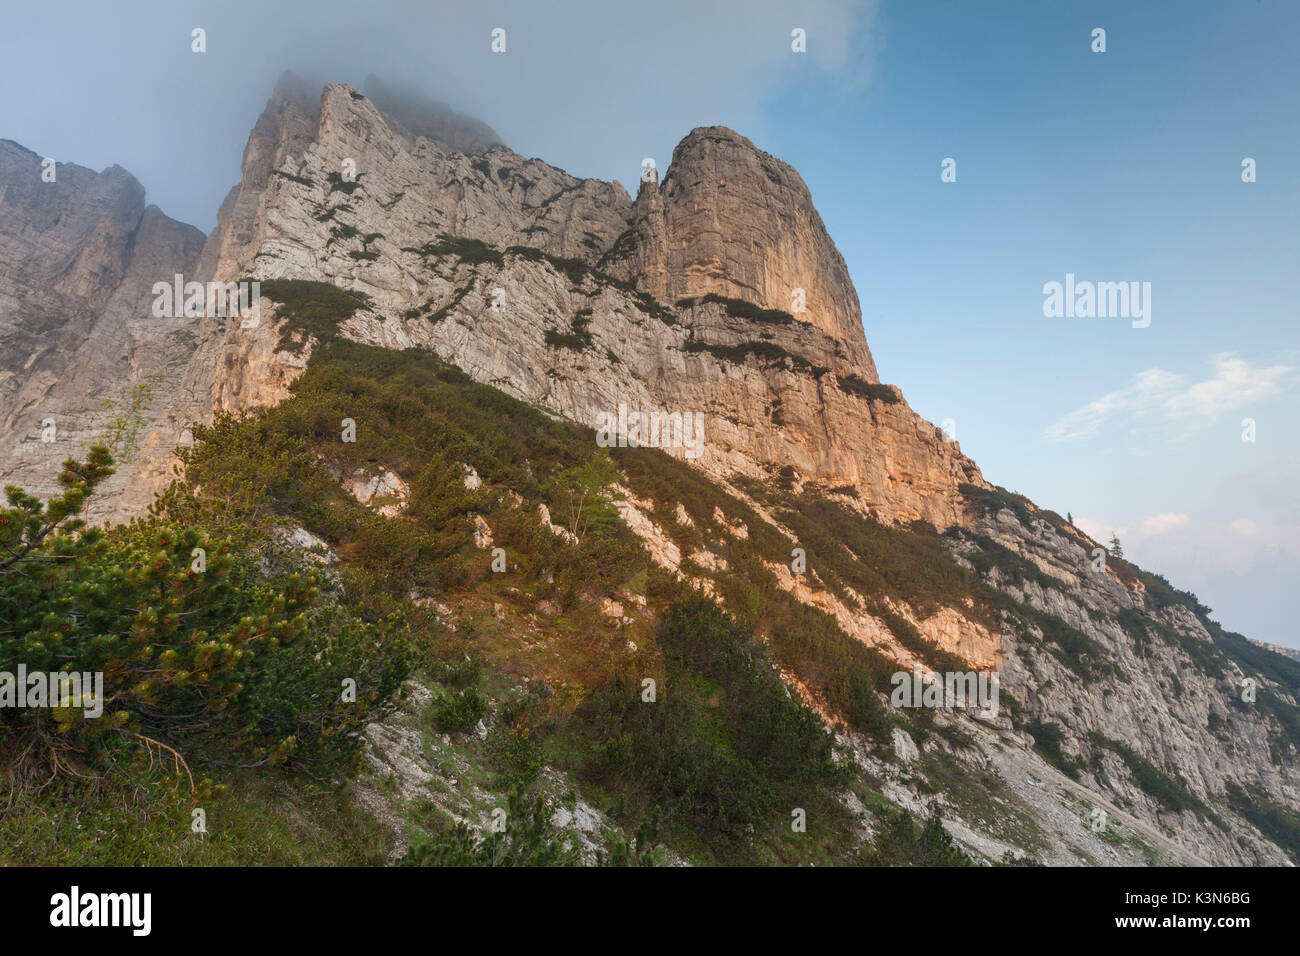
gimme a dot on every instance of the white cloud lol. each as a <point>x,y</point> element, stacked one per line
<point>1243,569</point>
<point>1161,399</point>
<point>1175,544</point>
<point>1159,524</point>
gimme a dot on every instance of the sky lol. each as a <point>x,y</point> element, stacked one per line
<point>1115,166</point>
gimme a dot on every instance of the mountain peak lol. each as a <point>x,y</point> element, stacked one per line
<point>411,111</point>
<point>729,219</point>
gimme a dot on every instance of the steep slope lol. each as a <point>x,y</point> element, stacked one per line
<point>563,294</point>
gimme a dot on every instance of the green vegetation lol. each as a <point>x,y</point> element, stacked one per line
<point>766,352</point>
<point>845,672</point>
<point>721,749</point>
<point>312,309</point>
<point>992,500</point>
<point>443,312</point>
<point>1158,595</point>
<point>469,251</point>
<point>651,306</point>
<point>1067,644</point>
<point>525,838</point>
<point>1152,780</point>
<point>849,550</point>
<point>578,338</point>
<point>576,270</point>
<point>201,656</point>
<point>332,211</point>
<point>459,712</point>
<point>924,648</point>
<point>1073,648</point>
<point>565,190</point>
<point>900,844</point>
<point>302,181</point>
<point>856,385</point>
<point>1013,568</point>
<point>621,249</point>
<point>211,659</point>
<point>342,232</point>
<point>339,184</point>
<point>1277,823</point>
<point>255,818</point>
<point>740,308</point>
<point>1048,738</point>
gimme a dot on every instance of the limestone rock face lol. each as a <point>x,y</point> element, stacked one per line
<point>285,129</point>
<point>78,260</point>
<point>772,394</point>
<point>344,189</point>
<point>253,371</point>
<point>1154,700</point>
<point>732,220</point>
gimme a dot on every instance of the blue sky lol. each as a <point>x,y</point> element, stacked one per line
<point>1116,166</point>
<point>1122,166</point>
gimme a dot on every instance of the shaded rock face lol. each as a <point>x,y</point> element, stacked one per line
<point>732,220</point>
<point>1155,698</point>
<point>78,259</point>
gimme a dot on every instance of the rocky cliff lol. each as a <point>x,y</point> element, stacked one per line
<point>731,220</point>
<point>777,389</point>
<point>716,292</point>
<point>78,259</point>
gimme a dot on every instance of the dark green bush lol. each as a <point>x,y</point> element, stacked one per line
<point>457,711</point>
<point>312,308</point>
<point>528,839</point>
<point>204,655</point>
<point>856,385</point>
